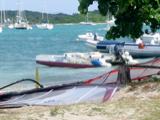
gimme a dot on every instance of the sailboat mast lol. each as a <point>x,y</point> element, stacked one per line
<point>108,15</point>
<point>86,17</point>
<point>43,11</point>
<point>19,13</point>
<point>1,17</point>
<point>4,16</point>
<point>42,15</point>
<point>47,18</point>
<point>3,12</point>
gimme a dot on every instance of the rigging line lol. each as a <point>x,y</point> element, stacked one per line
<point>106,77</point>
<point>23,80</point>
<point>154,61</point>
<point>23,60</point>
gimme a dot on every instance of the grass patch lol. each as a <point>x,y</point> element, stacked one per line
<point>56,111</point>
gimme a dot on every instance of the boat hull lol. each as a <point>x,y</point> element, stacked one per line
<point>21,28</point>
<point>62,64</point>
<point>132,48</point>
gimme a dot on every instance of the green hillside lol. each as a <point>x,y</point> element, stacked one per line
<point>36,17</point>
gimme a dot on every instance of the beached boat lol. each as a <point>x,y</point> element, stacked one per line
<point>135,50</point>
<point>85,60</point>
<point>75,60</point>
<point>90,36</point>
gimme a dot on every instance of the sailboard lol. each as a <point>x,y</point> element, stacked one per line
<point>98,89</point>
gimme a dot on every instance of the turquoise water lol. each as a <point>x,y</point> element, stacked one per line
<point>18,49</point>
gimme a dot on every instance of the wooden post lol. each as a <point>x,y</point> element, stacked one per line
<point>37,76</point>
<point>124,74</point>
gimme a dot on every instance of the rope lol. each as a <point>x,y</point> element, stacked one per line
<point>147,67</point>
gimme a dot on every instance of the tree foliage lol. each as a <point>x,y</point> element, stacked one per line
<point>130,15</point>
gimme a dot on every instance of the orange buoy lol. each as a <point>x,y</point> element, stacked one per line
<point>141,45</point>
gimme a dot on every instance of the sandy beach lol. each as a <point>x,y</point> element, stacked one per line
<point>137,102</point>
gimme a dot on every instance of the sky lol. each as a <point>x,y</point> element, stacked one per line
<point>50,6</point>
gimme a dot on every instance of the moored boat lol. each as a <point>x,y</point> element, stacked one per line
<point>87,22</point>
<point>90,36</point>
<point>21,20</point>
<point>75,60</point>
<point>1,29</point>
<point>135,50</point>
<point>46,26</point>
<point>151,38</point>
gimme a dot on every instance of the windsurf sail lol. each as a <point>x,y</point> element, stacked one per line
<point>98,89</point>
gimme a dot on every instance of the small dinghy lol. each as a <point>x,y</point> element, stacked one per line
<point>135,50</point>
<point>76,60</point>
<point>90,36</point>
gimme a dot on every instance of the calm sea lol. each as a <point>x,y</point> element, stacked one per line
<point>18,49</point>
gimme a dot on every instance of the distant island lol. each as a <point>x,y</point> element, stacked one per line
<point>36,17</point>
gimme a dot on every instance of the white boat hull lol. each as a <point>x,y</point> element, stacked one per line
<point>45,26</point>
<point>74,60</point>
<point>1,29</point>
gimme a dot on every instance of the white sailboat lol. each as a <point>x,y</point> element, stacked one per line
<point>1,22</point>
<point>11,26</point>
<point>45,25</point>
<point>87,22</point>
<point>21,20</point>
<point>110,21</point>
<point>1,29</point>
<point>45,22</point>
